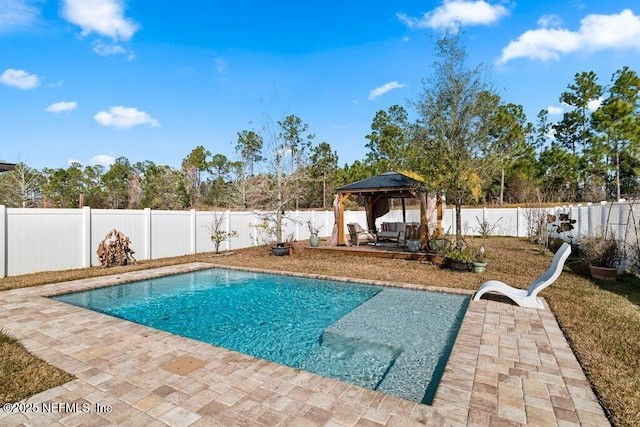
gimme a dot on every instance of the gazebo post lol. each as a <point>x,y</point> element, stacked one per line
<point>342,198</point>
<point>439,213</point>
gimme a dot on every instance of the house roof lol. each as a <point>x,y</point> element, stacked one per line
<point>5,167</point>
<point>386,182</point>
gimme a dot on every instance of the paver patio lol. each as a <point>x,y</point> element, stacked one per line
<point>509,366</point>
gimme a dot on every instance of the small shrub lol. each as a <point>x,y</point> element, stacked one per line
<point>486,228</point>
<point>115,250</point>
<point>216,233</point>
<point>602,250</point>
<point>461,255</point>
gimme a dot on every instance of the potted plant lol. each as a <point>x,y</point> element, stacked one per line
<point>412,237</point>
<point>459,259</point>
<point>479,262</point>
<point>314,240</point>
<point>280,249</point>
<point>603,253</point>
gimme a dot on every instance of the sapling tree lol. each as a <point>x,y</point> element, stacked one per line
<point>217,230</point>
<point>450,145</point>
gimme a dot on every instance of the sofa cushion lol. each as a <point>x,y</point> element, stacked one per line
<point>391,230</point>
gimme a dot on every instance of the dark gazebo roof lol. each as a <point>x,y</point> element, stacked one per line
<point>388,182</point>
<point>5,167</point>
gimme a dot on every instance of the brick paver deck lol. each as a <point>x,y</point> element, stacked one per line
<point>509,366</point>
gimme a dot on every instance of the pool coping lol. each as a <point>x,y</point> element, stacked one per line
<point>508,365</point>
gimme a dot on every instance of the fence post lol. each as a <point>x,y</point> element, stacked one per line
<point>579,223</point>
<point>147,233</point>
<point>518,215</point>
<point>620,220</point>
<point>4,250</point>
<point>313,220</point>
<point>255,229</point>
<point>603,217</point>
<point>326,223</point>
<point>227,228</point>
<point>86,236</point>
<point>589,219</point>
<point>192,225</point>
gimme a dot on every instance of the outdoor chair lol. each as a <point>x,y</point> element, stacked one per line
<point>359,235</point>
<point>528,297</point>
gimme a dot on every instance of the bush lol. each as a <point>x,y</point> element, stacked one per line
<point>602,250</point>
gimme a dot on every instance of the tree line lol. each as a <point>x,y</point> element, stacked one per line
<point>462,139</point>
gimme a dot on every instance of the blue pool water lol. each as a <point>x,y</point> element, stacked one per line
<point>387,339</point>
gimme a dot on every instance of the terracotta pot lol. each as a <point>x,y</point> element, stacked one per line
<point>603,273</point>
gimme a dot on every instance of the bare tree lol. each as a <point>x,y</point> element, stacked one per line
<point>21,187</point>
<point>278,186</point>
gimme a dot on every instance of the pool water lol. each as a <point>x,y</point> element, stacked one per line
<point>393,340</point>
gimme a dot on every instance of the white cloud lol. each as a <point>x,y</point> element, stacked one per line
<point>104,49</point>
<point>455,13</point>
<point>103,17</point>
<point>60,107</point>
<point>549,21</point>
<point>19,79</point>
<point>124,118</point>
<point>103,160</point>
<point>594,104</point>
<point>597,32</point>
<point>108,49</point>
<point>554,111</point>
<point>381,90</point>
<point>17,13</point>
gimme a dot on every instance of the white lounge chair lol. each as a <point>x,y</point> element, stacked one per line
<point>528,297</point>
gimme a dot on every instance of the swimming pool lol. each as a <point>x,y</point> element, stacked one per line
<point>388,339</point>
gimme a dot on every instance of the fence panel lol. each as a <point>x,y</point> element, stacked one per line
<point>42,240</point>
<point>33,240</point>
<point>130,222</point>
<point>171,233</point>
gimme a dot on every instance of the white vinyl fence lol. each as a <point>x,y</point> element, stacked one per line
<point>35,240</point>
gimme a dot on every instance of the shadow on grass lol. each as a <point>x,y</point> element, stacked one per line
<point>626,285</point>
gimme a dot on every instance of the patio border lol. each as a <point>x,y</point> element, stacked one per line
<point>508,364</point>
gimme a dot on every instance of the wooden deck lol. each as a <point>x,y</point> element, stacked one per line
<point>378,251</point>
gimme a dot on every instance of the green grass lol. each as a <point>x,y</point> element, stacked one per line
<point>22,374</point>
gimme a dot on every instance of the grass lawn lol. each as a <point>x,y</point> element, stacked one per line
<point>600,320</point>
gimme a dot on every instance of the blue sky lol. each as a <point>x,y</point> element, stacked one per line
<point>92,80</point>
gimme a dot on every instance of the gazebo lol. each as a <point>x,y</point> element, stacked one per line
<point>377,191</point>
